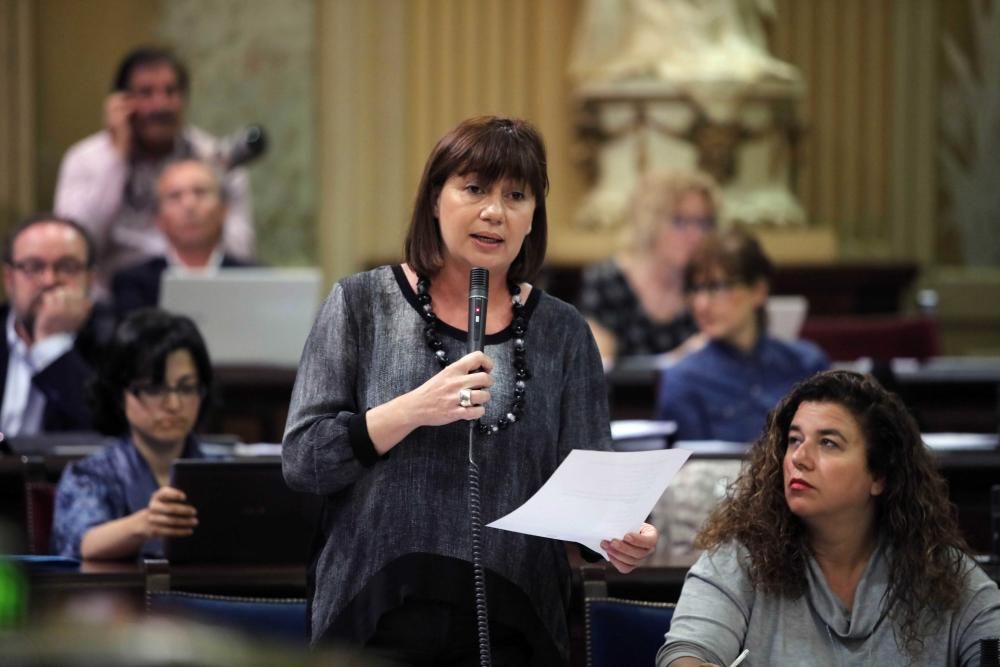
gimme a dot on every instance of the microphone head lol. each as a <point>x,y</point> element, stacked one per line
<point>248,144</point>
<point>479,282</point>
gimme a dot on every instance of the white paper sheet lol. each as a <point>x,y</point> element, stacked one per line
<point>594,496</point>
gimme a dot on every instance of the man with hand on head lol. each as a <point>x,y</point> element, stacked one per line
<point>108,180</point>
<point>191,214</point>
<point>54,331</point>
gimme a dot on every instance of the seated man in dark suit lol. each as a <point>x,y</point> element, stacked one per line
<point>191,212</point>
<point>54,330</point>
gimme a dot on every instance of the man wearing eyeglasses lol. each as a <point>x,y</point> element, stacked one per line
<point>53,329</point>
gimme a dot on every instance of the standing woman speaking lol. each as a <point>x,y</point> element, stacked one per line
<point>380,413</point>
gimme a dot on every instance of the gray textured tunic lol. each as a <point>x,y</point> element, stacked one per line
<point>719,614</point>
<point>367,347</point>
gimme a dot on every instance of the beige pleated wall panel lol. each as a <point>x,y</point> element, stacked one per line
<point>394,75</point>
<point>869,115</point>
<point>17,111</point>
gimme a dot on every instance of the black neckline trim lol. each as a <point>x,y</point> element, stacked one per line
<point>501,336</point>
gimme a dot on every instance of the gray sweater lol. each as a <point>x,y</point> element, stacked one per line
<point>367,347</point>
<point>719,614</point>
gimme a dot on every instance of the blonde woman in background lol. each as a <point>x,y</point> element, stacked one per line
<point>634,302</point>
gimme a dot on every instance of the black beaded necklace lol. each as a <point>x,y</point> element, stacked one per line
<point>519,326</point>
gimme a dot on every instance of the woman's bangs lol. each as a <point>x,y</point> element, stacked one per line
<point>498,157</point>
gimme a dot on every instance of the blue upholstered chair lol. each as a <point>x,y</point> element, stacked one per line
<point>265,618</point>
<point>280,619</point>
<point>624,632</point>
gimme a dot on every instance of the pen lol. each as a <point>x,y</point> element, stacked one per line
<point>740,658</point>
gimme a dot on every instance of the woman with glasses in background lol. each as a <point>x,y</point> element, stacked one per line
<point>150,391</point>
<point>634,302</point>
<point>725,390</point>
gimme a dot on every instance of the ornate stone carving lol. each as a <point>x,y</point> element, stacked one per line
<point>674,83</point>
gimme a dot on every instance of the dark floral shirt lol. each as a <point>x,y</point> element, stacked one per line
<point>107,485</point>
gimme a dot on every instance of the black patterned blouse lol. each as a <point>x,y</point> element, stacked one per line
<point>608,299</point>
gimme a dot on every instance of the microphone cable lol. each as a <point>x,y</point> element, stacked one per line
<point>478,572</point>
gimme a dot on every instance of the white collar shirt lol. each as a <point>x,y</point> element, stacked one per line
<point>23,403</point>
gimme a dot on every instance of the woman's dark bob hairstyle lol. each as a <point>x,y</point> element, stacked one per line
<point>138,352</point>
<point>494,148</point>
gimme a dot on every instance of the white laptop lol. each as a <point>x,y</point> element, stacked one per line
<point>785,316</point>
<point>248,316</point>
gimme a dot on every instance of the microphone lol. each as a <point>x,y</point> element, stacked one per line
<point>244,146</point>
<point>479,287</point>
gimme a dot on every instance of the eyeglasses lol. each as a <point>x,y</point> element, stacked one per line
<point>705,224</point>
<point>711,288</point>
<point>67,267</point>
<point>157,393</point>
<point>176,196</point>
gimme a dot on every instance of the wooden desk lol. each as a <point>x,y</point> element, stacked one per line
<point>945,394</point>
<point>842,288</point>
<point>950,394</point>
<point>632,384</point>
<point>253,402</point>
<point>52,584</point>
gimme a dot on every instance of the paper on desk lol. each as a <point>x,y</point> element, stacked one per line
<point>595,496</point>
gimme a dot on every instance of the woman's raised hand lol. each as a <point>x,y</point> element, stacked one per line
<point>168,515</point>
<point>458,391</point>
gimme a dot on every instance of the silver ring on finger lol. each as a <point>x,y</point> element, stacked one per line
<point>465,398</point>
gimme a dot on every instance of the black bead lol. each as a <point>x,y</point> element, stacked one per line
<point>519,344</point>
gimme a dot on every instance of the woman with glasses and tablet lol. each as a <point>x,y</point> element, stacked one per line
<point>634,302</point>
<point>724,390</point>
<point>150,391</point>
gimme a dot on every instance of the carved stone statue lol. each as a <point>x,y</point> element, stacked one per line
<point>676,41</point>
<point>675,83</point>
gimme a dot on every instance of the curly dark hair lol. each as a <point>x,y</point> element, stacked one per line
<point>914,516</point>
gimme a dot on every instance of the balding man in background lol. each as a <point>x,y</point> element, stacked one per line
<point>191,214</point>
<point>54,332</point>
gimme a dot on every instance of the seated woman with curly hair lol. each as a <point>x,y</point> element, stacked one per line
<point>837,545</point>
